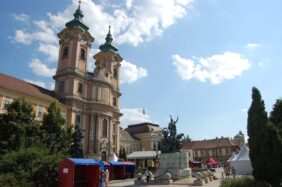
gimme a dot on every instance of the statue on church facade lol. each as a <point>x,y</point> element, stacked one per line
<point>172,141</point>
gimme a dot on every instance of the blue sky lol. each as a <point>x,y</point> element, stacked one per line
<point>194,59</point>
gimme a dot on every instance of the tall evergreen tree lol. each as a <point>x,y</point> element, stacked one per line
<point>257,120</point>
<point>263,142</point>
<point>276,115</point>
<point>54,134</point>
<point>76,147</point>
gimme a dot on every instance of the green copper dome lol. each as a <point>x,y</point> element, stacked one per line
<point>77,21</point>
<point>108,46</point>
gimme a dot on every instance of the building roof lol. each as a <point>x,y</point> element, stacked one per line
<point>208,144</point>
<point>143,155</point>
<point>23,87</point>
<point>126,136</point>
<point>142,128</point>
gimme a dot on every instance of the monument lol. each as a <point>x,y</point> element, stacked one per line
<point>172,160</point>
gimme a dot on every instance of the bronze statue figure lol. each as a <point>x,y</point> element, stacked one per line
<point>172,141</point>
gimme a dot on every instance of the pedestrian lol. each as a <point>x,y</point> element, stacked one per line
<point>147,173</point>
<point>233,171</point>
<point>106,176</point>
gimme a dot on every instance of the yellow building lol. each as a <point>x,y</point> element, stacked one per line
<point>90,99</point>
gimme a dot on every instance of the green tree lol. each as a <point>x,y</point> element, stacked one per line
<point>76,147</point>
<point>54,135</point>
<point>263,142</point>
<point>18,126</point>
<point>276,115</point>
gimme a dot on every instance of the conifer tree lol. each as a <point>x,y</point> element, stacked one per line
<point>76,147</point>
<point>263,142</point>
<point>276,115</point>
<point>53,132</point>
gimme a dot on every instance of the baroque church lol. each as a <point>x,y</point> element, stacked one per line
<point>88,99</point>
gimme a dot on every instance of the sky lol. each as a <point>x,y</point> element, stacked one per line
<point>194,59</point>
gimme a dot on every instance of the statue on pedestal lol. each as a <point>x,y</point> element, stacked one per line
<point>172,141</point>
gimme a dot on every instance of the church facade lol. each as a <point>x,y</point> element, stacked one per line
<point>89,99</point>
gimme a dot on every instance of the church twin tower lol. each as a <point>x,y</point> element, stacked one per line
<point>91,98</point>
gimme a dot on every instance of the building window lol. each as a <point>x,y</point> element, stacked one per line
<point>154,147</point>
<point>40,111</point>
<point>62,86</point>
<point>115,73</point>
<point>77,119</point>
<point>65,52</point>
<point>6,103</point>
<point>105,128</point>
<point>80,88</point>
<point>114,101</point>
<point>82,54</point>
<point>104,156</point>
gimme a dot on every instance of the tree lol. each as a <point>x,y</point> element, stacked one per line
<point>276,115</point>
<point>263,142</point>
<point>76,147</point>
<point>18,127</point>
<point>54,135</point>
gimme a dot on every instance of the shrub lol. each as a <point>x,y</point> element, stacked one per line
<point>238,182</point>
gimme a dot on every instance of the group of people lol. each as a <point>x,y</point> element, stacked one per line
<point>229,170</point>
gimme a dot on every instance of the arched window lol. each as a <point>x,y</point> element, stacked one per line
<point>114,101</point>
<point>115,73</point>
<point>82,54</point>
<point>65,52</point>
<point>105,128</point>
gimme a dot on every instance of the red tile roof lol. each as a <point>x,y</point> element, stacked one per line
<point>125,136</point>
<point>26,88</point>
<point>208,144</point>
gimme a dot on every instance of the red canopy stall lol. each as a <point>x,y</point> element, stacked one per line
<point>79,172</point>
<point>211,161</point>
<point>121,170</point>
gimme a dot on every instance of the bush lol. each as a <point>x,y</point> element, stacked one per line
<point>238,182</point>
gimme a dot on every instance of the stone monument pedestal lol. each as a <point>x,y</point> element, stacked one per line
<point>177,164</point>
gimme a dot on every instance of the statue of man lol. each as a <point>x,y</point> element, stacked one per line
<point>172,127</point>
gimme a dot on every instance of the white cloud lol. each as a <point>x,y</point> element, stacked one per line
<point>41,69</point>
<point>130,72</point>
<point>133,116</point>
<point>244,110</point>
<point>38,83</point>
<point>49,85</point>
<point>133,21</point>
<point>21,17</point>
<point>22,37</point>
<point>215,69</point>
<point>44,32</point>
<point>252,45</point>
<point>51,50</point>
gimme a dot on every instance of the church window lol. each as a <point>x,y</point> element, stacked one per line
<point>82,54</point>
<point>62,86</point>
<point>65,52</point>
<point>114,101</point>
<point>105,128</point>
<point>80,88</point>
<point>77,119</point>
<point>115,73</point>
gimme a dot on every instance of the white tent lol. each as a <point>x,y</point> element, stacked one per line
<point>113,158</point>
<point>232,156</point>
<point>241,162</point>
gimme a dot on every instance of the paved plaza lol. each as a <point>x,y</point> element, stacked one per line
<point>178,183</point>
